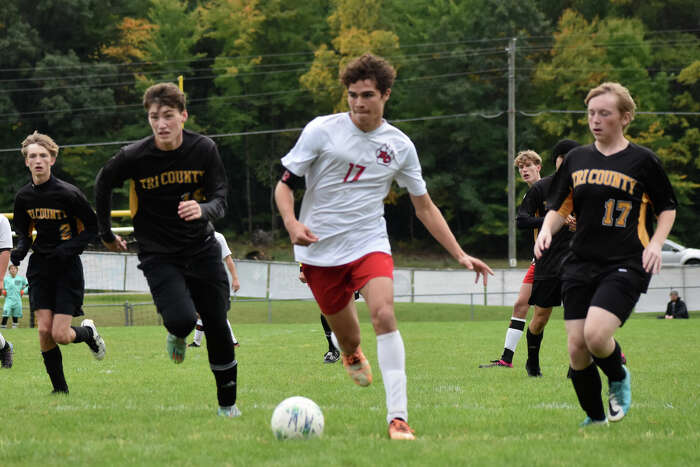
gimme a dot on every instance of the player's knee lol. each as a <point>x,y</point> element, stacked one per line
<point>383,318</point>
<point>596,341</point>
<point>62,336</point>
<point>180,326</point>
<point>576,345</point>
<point>520,308</point>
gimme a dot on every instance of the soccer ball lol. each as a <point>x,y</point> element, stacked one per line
<point>297,418</point>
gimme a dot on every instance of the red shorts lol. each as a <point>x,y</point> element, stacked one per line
<point>530,275</point>
<point>334,286</point>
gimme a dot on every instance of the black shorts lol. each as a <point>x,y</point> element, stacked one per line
<point>56,285</point>
<point>615,288</point>
<point>546,293</point>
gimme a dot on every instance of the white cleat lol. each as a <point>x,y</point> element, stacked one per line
<point>97,340</point>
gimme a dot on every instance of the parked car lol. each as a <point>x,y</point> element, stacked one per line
<point>673,253</point>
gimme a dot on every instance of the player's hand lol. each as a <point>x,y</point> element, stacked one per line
<point>235,284</point>
<point>4,293</point>
<point>117,246</point>
<point>651,258</point>
<point>302,277</point>
<point>476,265</point>
<point>300,234</point>
<point>571,222</point>
<point>189,210</point>
<point>21,293</point>
<point>544,239</point>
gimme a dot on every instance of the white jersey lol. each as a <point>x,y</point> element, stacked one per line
<point>225,251</point>
<point>348,174</point>
<point>5,234</point>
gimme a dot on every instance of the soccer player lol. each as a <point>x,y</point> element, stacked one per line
<point>178,187</point>
<point>614,188</point>
<point>546,286</point>
<point>65,223</point>
<point>348,161</point>
<point>14,288</point>
<point>333,354</point>
<point>530,216</point>
<point>235,285</point>
<point>6,347</point>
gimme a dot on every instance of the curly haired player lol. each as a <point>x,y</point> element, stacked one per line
<point>349,161</point>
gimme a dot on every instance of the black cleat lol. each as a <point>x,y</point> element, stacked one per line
<point>331,356</point>
<point>496,363</point>
<point>7,355</point>
<point>533,370</point>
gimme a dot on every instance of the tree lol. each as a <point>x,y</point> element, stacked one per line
<point>356,28</point>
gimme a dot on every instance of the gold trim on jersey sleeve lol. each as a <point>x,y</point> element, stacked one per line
<point>133,199</point>
<point>642,221</point>
<point>567,207</point>
<point>79,226</point>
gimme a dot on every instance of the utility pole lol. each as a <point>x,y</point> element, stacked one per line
<point>513,262</point>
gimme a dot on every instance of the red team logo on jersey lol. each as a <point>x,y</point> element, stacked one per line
<point>385,154</point>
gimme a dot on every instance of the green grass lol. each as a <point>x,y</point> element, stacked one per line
<point>136,407</point>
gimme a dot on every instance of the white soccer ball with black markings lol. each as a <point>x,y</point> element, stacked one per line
<point>297,418</point>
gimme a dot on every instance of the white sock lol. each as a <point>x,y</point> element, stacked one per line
<point>513,335</point>
<point>392,363</point>
<point>233,336</point>
<point>2,341</point>
<point>197,333</point>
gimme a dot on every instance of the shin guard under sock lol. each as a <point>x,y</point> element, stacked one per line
<point>54,367</point>
<point>587,386</point>
<point>226,382</point>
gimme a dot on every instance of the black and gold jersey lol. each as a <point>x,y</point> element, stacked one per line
<point>160,180</point>
<point>530,213</point>
<point>615,199</point>
<point>549,264</point>
<point>61,215</point>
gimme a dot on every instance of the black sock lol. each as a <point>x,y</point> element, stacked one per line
<point>587,386</point>
<point>612,364</point>
<point>7,345</point>
<point>327,330</point>
<point>14,320</point>
<point>31,319</point>
<point>533,346</point>
<point>4,320</point>
<point>507,356</point>
<point>54,367</point>
<point>226,382</point>
<point>84,334</point>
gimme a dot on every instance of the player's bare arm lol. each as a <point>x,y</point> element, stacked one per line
<point>433,220</point>
<point>235,283</point>
<point>117,245</point>
<point>299,234</point>
<point>651,256</point>
<point>553,222</point>
<point>4,261</point>
<point>189,210</point>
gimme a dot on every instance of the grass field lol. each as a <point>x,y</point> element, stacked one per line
<point>136,407</point>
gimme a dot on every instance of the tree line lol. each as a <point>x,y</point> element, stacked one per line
<point>256,71</point>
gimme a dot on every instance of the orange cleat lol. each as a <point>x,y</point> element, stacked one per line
<point>398,429</point>
<point>358,368</point>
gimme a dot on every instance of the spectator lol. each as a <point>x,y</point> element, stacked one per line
<point>676,308</point>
